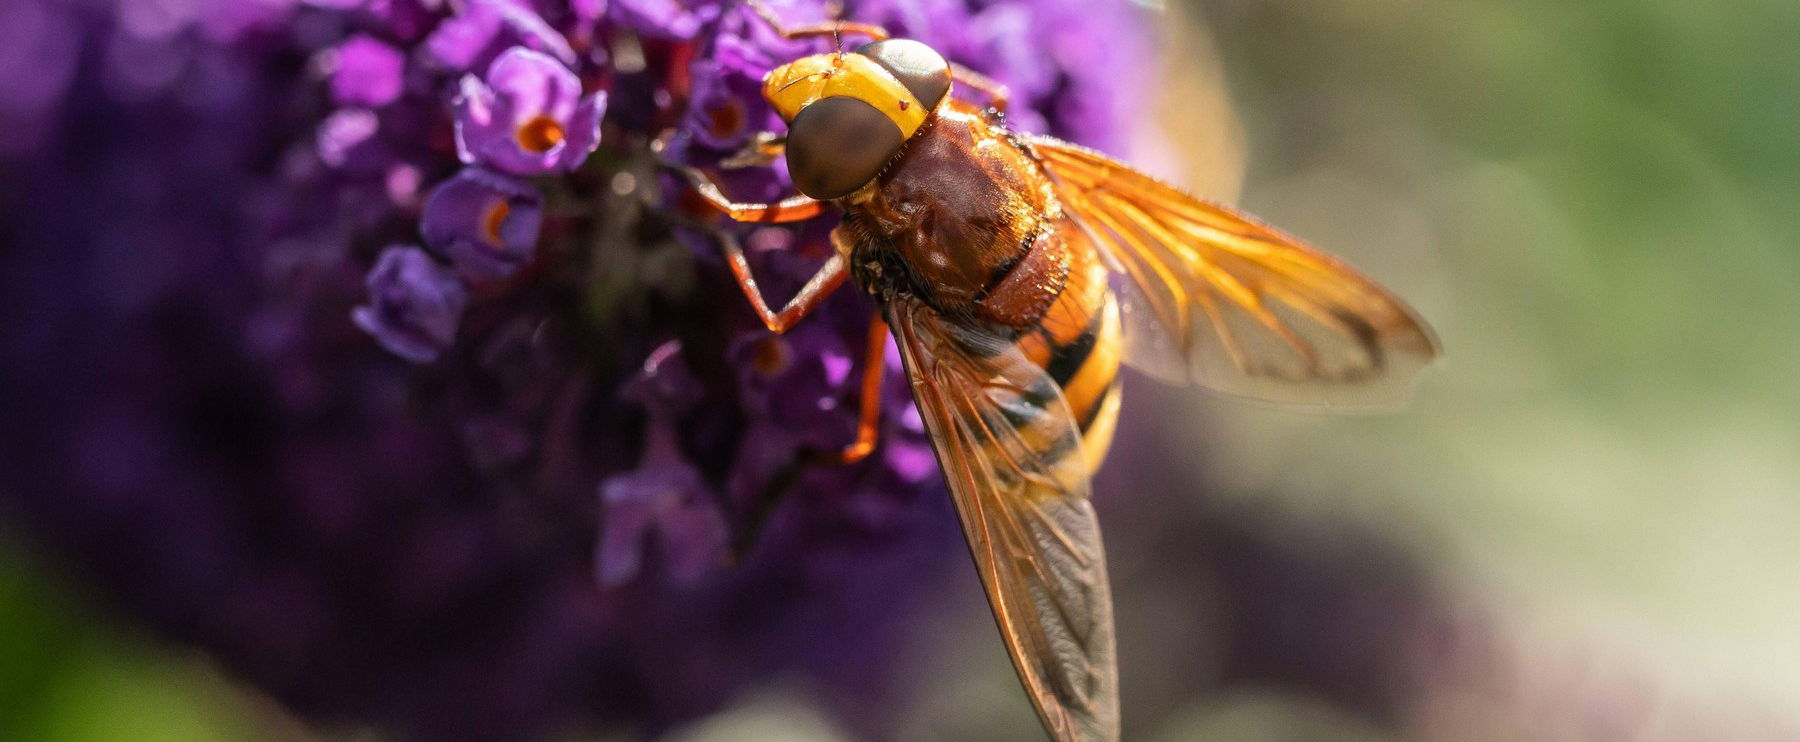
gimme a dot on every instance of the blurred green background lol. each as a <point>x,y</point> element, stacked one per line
<point>1596,203</point>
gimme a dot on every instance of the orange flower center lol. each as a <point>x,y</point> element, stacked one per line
<point>770,357</point>
<point>725,120</point>
<point>539,134</point>
<point>493,220</point>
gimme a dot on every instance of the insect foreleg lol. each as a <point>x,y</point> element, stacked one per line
<point>762,149</point>
<point>794,208</point>
<point>791,209</point>
<point>829,277</point>
<point>995,90</point>
<point>867,429</point>
<point>868,421</point>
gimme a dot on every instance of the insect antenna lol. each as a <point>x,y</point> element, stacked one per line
<point>834,10</point>
<point>796,81</point>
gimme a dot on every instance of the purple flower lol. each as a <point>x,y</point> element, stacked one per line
<point>587,13</point>
<point>366,72</point>
<point>801,381</point>
<point>664,501</point>
<point>671,19</point>
<point>727,106</point>
<point>348,139</point>
<point>403,19</point>
<point>414,304</point>
<point>475,36</point>
<point>528,117</point>
<point>484,223</point>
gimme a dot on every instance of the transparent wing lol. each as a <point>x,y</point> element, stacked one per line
<point>1236,306</point>
<point>1012,455</point>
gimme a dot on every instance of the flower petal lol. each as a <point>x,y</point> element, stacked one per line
<point>484,223</point>
<point>584,130</point>
<point>366,72</point>
<point>414,304</point>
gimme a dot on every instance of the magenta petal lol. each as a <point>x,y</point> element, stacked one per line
<point>349,139</point>
<point>467,40</point>
<point>534,83</point>
<point>588,11</point>
<point>368,72</point>
<point>583,130</point>
<point>474,118</point>
<point>475,100</point>
<point>530,28</point>
<point>662,18</point>
<point>458,42</point>
<point>523,87</point>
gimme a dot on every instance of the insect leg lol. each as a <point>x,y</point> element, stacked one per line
<point>826,28</point>
<point>995,90</point>
<point>791,209</point>
<point>867,427</point>
<point>762,149</point>
<point>868,420</point>
<point>829,276</point>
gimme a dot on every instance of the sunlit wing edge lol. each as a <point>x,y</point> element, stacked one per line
<point>1215,297</point>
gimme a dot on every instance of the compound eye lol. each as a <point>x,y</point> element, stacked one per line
<point>837,145</point>
<point>917,66</point>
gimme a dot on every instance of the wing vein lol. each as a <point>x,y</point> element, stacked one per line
<point>1243,308</point>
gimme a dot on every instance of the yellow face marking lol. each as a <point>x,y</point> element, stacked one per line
<point>797,84</point>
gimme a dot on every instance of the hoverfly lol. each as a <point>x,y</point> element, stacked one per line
<point>1016,272</point>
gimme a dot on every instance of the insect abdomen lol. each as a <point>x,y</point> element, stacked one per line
<point>1078,343</point>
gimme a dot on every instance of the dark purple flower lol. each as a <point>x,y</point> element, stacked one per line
<point>531,533</point>
<point>486,224</point>
<point>366,72</point>
<point>528,117</point>
<point>414,304</point>
<point>801,382</point>
<point>665,503</point>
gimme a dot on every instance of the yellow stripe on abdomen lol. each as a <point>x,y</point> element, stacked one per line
<point>1087,387</point>
<point>1084,363</point>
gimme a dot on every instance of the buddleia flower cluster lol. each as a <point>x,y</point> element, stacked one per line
<point>366,345</point>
